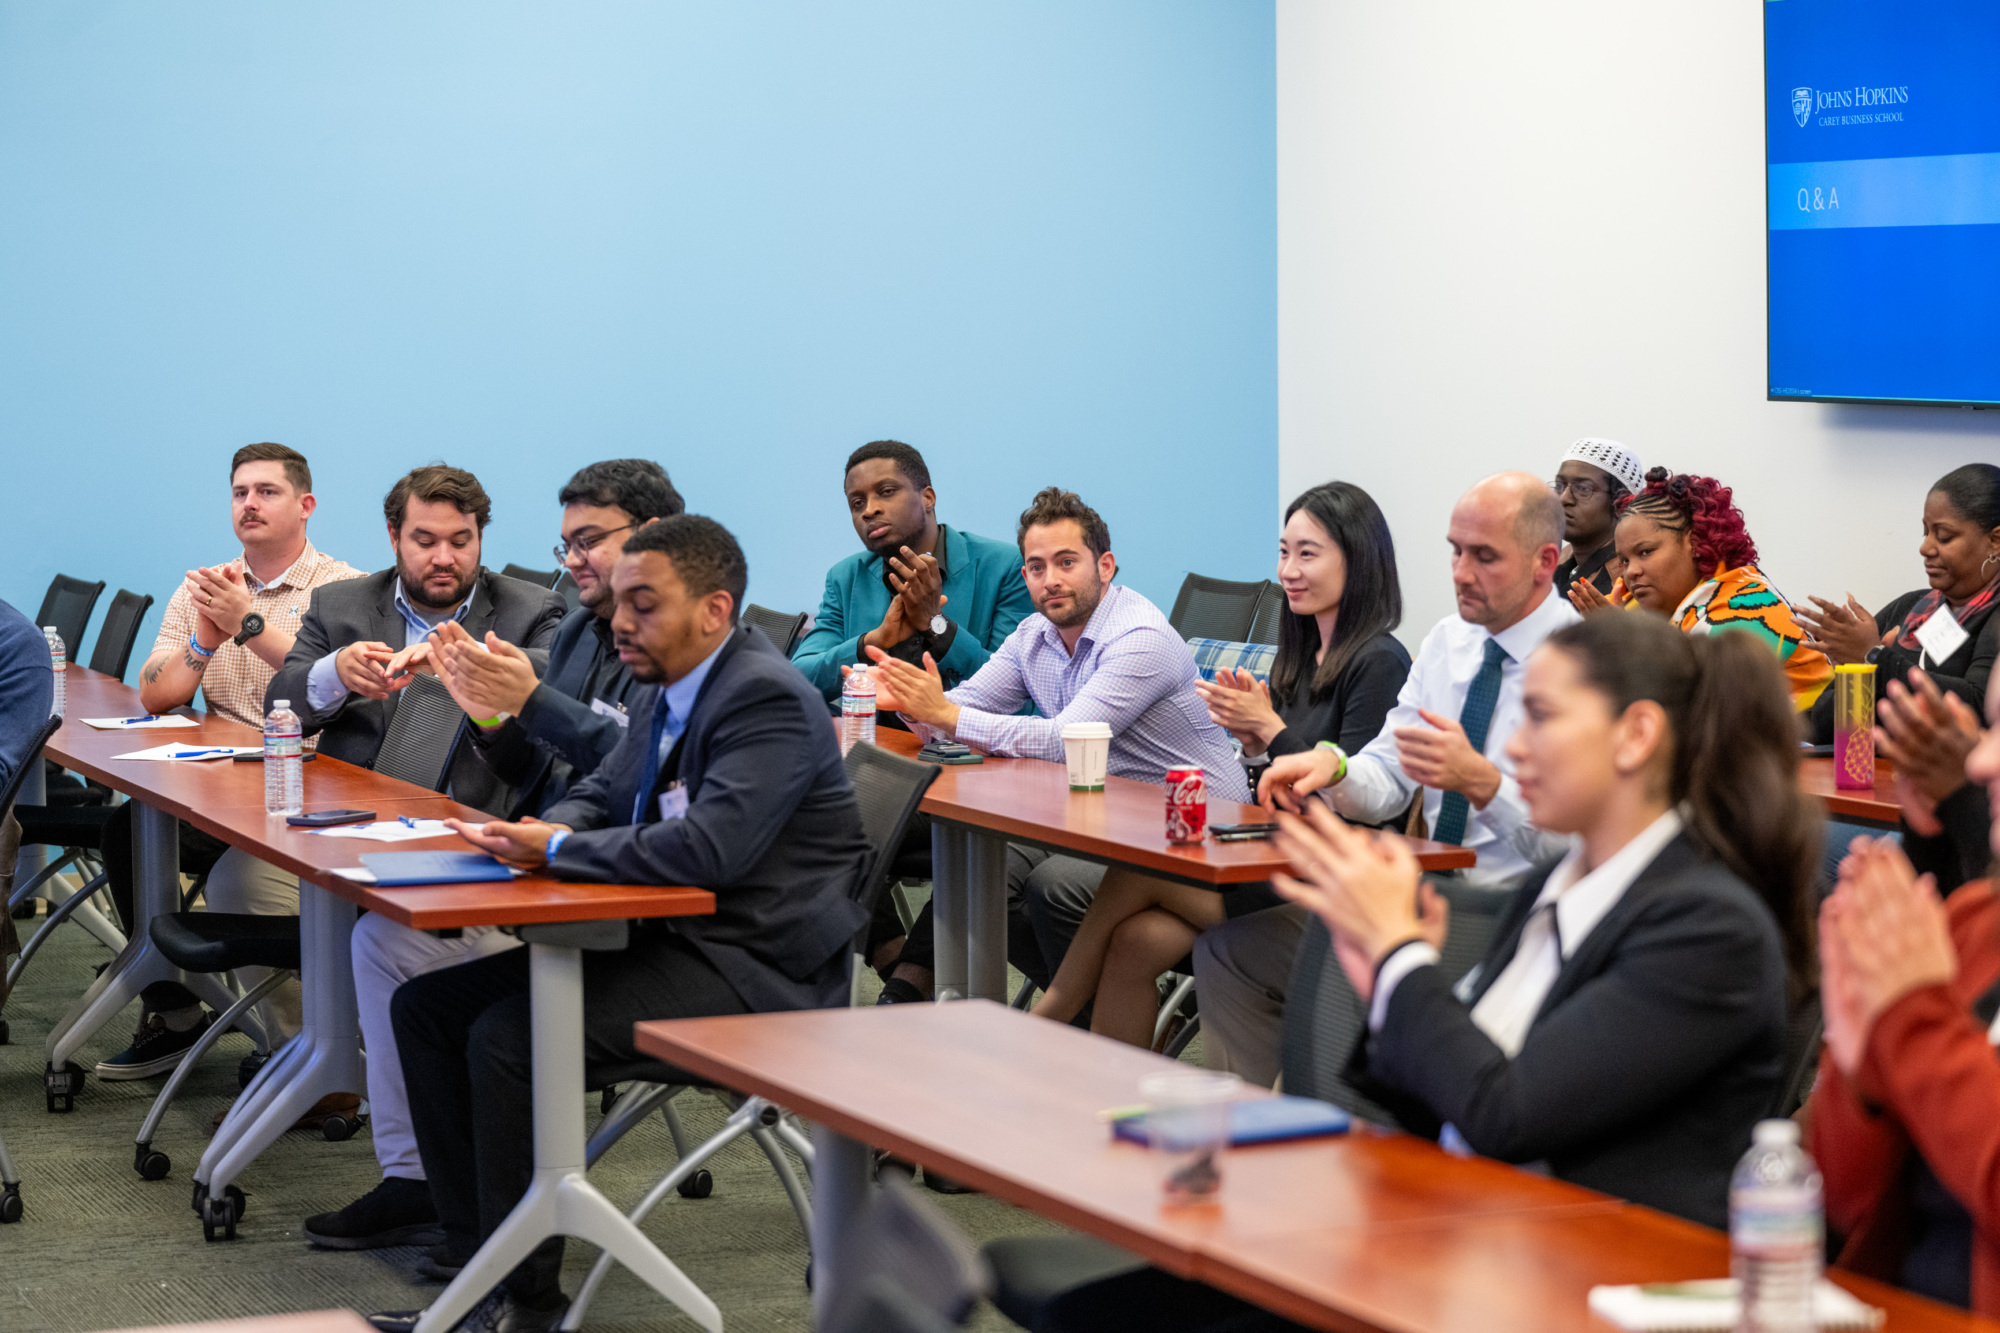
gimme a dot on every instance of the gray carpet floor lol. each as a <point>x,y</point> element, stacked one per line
<point>99,1248</point>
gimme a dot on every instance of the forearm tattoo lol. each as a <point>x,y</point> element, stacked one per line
<point>195,664</point>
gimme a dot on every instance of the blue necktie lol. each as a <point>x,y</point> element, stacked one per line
<point>1476,716</point>
<point>656,756</point>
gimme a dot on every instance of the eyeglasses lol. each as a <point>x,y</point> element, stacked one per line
<point>582,545</point>
<point>1580,488</point>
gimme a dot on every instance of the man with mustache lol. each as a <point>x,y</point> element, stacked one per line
<point>539,734</point>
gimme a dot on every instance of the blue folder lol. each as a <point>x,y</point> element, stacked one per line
<point>400,869</point>
<point>1262,1120</point>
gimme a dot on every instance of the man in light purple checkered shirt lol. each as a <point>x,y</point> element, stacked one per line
<point>1093,652</point>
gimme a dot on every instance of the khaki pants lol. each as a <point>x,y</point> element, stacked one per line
<point>241,883</point>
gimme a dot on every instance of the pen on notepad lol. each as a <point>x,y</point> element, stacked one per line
<point>131,721</point>
<point>1113,1114</point>
<point>406,820</point>
<point>196,754</point>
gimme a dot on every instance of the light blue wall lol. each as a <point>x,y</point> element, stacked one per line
<point>1036,240</point>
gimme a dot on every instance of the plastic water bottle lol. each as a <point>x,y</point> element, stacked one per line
<point>284,770</point>
<point>857,709</point>
<point>1777,1231</point>
<point>59,663</point>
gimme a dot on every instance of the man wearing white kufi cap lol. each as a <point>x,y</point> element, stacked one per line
<point>1595,474</point>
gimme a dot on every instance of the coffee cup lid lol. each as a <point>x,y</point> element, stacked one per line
<point>1086,731</point>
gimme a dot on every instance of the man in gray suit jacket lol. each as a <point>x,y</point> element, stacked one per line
<point>361,638</point>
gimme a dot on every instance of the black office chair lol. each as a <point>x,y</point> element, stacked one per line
<point>781,629</point>
<point>67,606</point>
<point>1270,610</point>
<point>541,578</point>
<point>119,632</point>
<point>1215,608</point>
<point>888,788</point>
<point>423,735</point>
<point>571,594</point>
<point>1803,1033</point>
<point>1323,1022</point>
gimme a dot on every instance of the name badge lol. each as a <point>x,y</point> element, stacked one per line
<point>615,712</point>
<point>1941,635</point>
<point>674,802</point>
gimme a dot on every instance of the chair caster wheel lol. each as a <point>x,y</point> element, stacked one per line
<point>697,1186</point>
<point>607,1099</point>
<point>149,1164</point>
<point>10,1204</point>
<point>6,1033</point>
<point>220,1215</point>
<point>247,1068</point>
<point>60,1086</point>
<point>339,1128</point>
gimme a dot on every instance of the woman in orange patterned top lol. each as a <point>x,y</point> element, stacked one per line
<point>1687,556</point>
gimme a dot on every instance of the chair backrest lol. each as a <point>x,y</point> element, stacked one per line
<point>905,1267</point>
<point>541,578</point>
<point>68,606</point>
<point>888,788</point>
<point>29,758</point>
<point>1270,606</point>
<point>119,632</point>
<point>1214,608</point>
<point>571,594</point>
<point>422,734</point>
<point>781,629</point>
<point>1324,1017</point>
<point>1803,1032</point>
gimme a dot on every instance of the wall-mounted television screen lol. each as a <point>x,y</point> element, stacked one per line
<point>1882,153</point>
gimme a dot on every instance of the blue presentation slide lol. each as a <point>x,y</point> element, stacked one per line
<point>1882,133</point>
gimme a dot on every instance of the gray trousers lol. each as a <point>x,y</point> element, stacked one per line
<point>1241,969</point>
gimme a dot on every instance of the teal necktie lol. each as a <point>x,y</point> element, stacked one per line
<point>1476,717</point>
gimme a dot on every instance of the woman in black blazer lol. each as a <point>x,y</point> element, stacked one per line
<point>1961,554</point>
<point>1631,1047</point>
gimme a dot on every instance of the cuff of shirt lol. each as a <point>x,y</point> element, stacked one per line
<point>323,687</point>
<point>1394,968</point>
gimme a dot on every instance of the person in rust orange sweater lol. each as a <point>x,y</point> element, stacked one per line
<point>1905,1118</point>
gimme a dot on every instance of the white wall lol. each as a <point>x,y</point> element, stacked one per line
<point>1504,226</point>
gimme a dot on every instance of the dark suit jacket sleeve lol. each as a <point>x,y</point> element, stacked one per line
<point>542,630</point>
<point>569,727</point>
<point>587,803</point>
<point>308,646</point>
<point>1682,996</point>
<point>753,782</point>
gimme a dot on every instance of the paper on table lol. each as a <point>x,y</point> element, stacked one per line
<point>134,724</point>
<point>1713,1305</point>
<point>391,830</point>
<point>183,751</point>
<point>359,874</point>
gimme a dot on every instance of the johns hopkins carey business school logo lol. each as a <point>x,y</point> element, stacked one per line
<point>1846,104</point>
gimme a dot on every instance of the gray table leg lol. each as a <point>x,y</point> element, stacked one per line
<point>950,907</point>
<point>840,1193</point>
<point>986,918</point>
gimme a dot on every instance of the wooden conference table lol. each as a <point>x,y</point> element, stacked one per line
<point>977,809</point>
<point>555,918</point>
<point>1878,806</point>
<point>1368,1231</point>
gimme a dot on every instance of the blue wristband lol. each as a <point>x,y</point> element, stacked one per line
<point>194,645</point>
<point>555,844</point>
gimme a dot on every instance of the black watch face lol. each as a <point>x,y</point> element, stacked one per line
<point>253,625</point>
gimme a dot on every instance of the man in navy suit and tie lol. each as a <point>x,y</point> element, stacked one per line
<point>730,779</point>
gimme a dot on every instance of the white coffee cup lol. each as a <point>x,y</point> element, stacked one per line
<point>1087,747</point>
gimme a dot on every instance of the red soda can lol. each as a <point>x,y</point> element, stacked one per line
<point>1187,805</point>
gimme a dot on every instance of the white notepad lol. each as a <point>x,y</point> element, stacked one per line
<point>1713,1305</point>
<point>138,724</point>
<point>179,750</point>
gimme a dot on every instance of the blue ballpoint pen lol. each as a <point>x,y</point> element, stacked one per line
<point>405,819</point>
<point>131,721</point>
<point>197,754</point>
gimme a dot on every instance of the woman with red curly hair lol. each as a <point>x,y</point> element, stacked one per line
<point>1688,557</point>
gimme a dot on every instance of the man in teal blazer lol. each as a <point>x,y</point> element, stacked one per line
<point>918,587</point>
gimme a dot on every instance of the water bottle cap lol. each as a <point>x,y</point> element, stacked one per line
<point>280,703</point>
<point>1775,1133</point>
<point>50,629</point>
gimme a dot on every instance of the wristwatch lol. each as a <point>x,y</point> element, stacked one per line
<point>939,625</point>
<point>253,625</point>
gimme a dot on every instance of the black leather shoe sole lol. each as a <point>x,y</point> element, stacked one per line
<point>417,1233</point>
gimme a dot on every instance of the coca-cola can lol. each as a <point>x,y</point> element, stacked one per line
<point>1187,805</point>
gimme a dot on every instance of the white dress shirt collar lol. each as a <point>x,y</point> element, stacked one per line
<point>1582,900</point>
<point>1526,634</point>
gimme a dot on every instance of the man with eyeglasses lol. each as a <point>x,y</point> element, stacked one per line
<point>538,735</point>
<point>1593,477</point>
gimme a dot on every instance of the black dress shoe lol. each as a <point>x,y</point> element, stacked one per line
<point>498,1313</point>
<point>898,991</point>
<point>396,1212</point>
<point>441,1263</point>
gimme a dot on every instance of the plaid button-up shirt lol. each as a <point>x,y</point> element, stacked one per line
<point>234,683</point>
